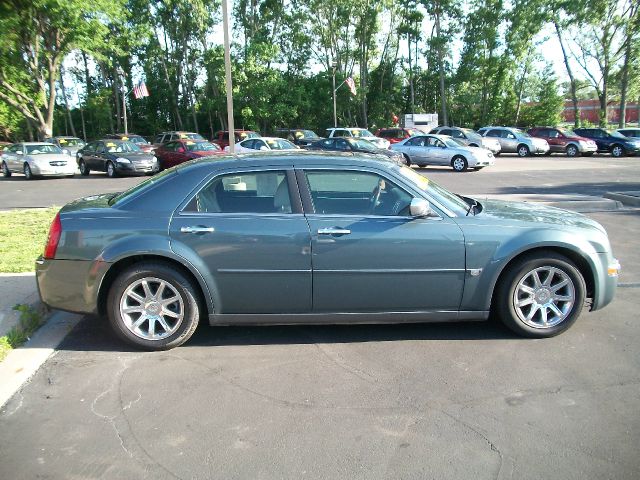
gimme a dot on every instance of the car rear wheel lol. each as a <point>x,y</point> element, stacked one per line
<point>111,170</point>
<point>541,295</point>
<point>572,151</point>
<point>5,170</point>
<point>407,159</point>
<point>617,151</point>
<point>153,306</point>
<point>459,163</point>
<point>27,172</point>
<point>84,170</point>
<point>523,151</point>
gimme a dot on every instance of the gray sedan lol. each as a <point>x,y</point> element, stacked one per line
<point>514,140</point>
<point>469,137</point>
<point>37,159</point>
<point>306,238</point>
<point>424,150</point>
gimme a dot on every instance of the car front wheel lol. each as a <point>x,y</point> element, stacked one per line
<point>523,151</point>
<point>617,151</point>
<point>541,295</point>
<point>111,170</point>
<point>572,151</point>
<point>27,172</point>
<point>84,170</point>
<point>459,163</point>
<point>5,170</point>
<point>153,306</point>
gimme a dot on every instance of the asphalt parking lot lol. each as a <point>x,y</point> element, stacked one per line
<point>454,401</point>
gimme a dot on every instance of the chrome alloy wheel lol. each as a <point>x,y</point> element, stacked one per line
<point>544,297</point>
<point>151,308</point>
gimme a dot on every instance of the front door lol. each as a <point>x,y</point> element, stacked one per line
<point>370,255</point>
<point>252,241</point>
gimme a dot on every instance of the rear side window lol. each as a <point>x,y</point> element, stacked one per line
<point>246,192</point>
<point>494,133</point>
<point>159,139</point>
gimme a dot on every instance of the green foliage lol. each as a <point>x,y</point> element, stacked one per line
<point>30,320</point>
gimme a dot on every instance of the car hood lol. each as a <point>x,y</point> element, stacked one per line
<point>535,213</point>
<point>50,157</point>
<point>135,156</point>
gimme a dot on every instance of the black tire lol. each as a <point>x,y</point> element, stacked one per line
<point>548,154</point>
<point>459,163</point>
<point>523,151</point>
<point>473,145</point>
<point>26,169</point>
<point>572,151</point>
<point>504,298</point>
<point>184,288</point>
<point>617,151</point>
<point>111,170</point>
<point>5,170</point>
<point>407,159</point>
<point>84,170</point>
<point>588,154</point>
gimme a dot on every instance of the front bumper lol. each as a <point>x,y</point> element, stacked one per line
<point>48,170</point>
<point>482,162</point>
<point>605,280</point>
<point>540,148</point>
<point>137,167</point>
<point>588,148</point>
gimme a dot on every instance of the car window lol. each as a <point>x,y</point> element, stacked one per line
<point>248,144</point>
<point>457,134</point>
<point>328,143</point>
<point>340,133</point>
<point>494,133</point>
<point>13,148</point>
<point>246,192</point>
<point>356,193</point>
<point>434,142</point>
<point>343,145</point>
<point>507,134</point>
<point>280,144</point>
<point>415,142</point>
<point>171,146</point>
<point>159,139</point>
<point>445,131</point>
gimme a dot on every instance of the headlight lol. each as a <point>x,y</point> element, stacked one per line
<point>123,160</point>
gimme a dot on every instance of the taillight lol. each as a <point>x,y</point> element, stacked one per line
<point>54,237</point>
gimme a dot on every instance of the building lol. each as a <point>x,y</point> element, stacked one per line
<point>590,111</point>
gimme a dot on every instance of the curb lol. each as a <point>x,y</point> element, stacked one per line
<point>630,199</point>
<point>22,363</point>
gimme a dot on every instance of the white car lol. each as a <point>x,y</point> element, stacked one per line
<point>358,133</point>
<point>423,150</point>
<point>264,144</point>
<point>37,159</point>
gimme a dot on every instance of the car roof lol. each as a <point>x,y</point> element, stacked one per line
<point>66,136</point>
<point>34,143</point>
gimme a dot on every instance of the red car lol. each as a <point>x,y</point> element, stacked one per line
<point>395,135</point>
<point>180,151</point>
<point>561,140</point>
<point>221,138</point>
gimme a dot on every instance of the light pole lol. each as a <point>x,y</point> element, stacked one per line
<point>227,71</point>
<point>124,100</point>
<point>334,65</point>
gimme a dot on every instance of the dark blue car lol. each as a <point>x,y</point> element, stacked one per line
<point>611,142</point>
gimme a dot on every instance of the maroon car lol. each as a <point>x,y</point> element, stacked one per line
<point>180,151</point>
<point>561,140</point>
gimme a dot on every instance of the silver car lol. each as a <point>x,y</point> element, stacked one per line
<point>423,150</point>
<point>37,159</point>
<point>70,144</point>
<point>470,137</point>
<point>514,140</point>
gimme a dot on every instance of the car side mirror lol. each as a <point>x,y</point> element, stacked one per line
<point>264,148</point>
<point>66,152</point>
<point>420,208</point>
<point>19,152</point>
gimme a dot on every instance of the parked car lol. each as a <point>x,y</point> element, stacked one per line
<point>424,150</point>
<point>397,134</point>
<point>469,137</point>
<point>70,144</point>
<point>358,133</point>
<point>360,145</point>
<point>37,159</point>
<point>629,132</point>
<point>116,157</point>
<point>311,238</point>
<point>514,140</point>
<point>611,142</point>
<point>166,137</point>
<point>565,141</point>
<point>297,136</point>
<point>264,144</point>
<point>221,138</point>
<point>180,151</point>
<point>140,141</point>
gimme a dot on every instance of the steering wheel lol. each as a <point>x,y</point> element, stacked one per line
<point>375,196</point>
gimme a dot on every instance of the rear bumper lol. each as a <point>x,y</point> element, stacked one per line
<point>70,285</point>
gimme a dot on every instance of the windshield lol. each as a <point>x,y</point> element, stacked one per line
<point>244,135</point>
<point>471,134</point>
<point>121,147</point>
<point>201,147</point>
<point>617,135</point>
<point>568,133</point>
<point>41,149</point>
<point>363,145</point>
<point>141,186</point>
<point>191,136</point>
<point>70,142</point>
<point>280,144</point>
<point>450,200</point>
<point>519,132</point>
<point>305,134</point>
<point>452,142</point>
<point>413,131</point>
<point>135,139</point>
<point>361,132</point>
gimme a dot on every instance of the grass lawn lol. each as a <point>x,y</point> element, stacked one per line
<point>23,234</point>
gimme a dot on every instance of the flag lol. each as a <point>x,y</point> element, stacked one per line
<point>140,91</point>
<point>351,84</point>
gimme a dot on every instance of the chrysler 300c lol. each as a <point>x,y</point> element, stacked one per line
<point>303,237</point>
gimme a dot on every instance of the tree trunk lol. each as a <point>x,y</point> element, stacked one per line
<point>572,80</point>
<point>411,93</point>
<point>443,93</point>
<point>66,102</point>
<point>624,82</point>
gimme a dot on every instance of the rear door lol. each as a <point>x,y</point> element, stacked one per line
<point>370,255</point>
<point>247,230</point>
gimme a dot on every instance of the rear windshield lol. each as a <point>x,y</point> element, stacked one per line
<point>70,142</point>
<point>132,192</point>
<point>201,146</point>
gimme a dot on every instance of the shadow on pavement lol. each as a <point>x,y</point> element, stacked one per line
<point>94,334</point>
<point>591,188</point>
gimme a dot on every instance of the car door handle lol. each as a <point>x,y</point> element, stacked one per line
<point>333,231</point>
<point>197,229</point>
